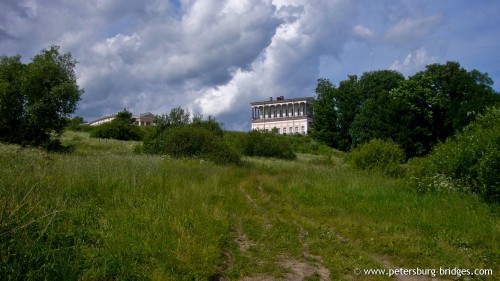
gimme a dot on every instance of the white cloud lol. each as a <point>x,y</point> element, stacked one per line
<point>217,56</point>
<point>290,64</point>
<point>363,32</point>
<point>413,62</point>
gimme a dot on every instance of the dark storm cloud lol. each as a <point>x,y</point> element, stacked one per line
<point>215,57</point>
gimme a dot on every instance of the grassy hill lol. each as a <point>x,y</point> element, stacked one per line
<point>104,212</point>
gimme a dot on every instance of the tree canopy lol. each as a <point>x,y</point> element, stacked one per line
<point>415,113</point>
<point>36,98</point>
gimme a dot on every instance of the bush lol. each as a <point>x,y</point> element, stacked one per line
<point>117,131</point>
<point>267,144</point>
<point>121,128</point>
<point>378,155</point>
<point>470,161</point>
<point>199,139</point>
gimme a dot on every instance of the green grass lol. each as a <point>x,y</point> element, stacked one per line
<point>104,212</point>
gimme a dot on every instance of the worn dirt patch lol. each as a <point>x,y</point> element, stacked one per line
<point>243,242</point>
<point>300,270</point>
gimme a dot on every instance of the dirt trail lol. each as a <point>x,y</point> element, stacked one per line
<point>309,266</point>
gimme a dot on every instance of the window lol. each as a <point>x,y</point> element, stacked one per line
<point>302,129</point>
<point>284,130</point>
<point>291,130</point>
<point>296,129</point>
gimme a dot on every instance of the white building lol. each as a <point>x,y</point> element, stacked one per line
<point>102,120</point>
<point>145,119</point>
<point>288,116</point>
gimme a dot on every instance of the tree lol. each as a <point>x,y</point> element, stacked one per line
<point>36,98</point>
<point>372,113</point>
<point>436,103</point>
<point>325,116</point>
<point>11,100</point>
<point>416,113</point>
<point>457,96</point>
<point>75,123</point>
<point>348,100</point>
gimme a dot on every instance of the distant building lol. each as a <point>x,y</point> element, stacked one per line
<point>288,116</point>
<point>102,120</point>
<point>145,119</point>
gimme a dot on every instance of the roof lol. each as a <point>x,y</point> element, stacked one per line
<point>102,118</point>
<point>147,114</point>
<point>283,101</point>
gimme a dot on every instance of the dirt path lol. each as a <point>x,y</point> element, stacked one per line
<point>309,266</point>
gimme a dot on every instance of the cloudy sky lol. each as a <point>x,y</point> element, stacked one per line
<point>214,57</point>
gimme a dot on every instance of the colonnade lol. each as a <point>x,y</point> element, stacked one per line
<point>281,110</point>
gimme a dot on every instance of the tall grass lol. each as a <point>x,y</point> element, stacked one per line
<point>104,212</point>
<point>111,216</point>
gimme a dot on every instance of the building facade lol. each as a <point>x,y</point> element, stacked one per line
<point>102,120</point>
<point>145,119</point>
<point>288,116</point>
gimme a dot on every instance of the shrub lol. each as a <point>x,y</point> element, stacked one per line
<point>267,144</point>
<point>378,155</point>
<point>470,161</point>
<point>121,128</point>
<point>117,131</point>
<point>199,139</point>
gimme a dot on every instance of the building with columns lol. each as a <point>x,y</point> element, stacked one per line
<point>288,116</point>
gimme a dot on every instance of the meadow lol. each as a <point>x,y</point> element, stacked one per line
<point>104,212</point>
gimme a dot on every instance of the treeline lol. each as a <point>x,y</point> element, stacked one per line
<point>445,120</point>
<point>415,113</point>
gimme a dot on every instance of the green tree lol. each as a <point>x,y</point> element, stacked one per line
<point>11,99</point>
<point>373,112</point>
<point>325,115</point>
<point>75,123</point>
<point>435,103</point>
<point>457,95</point>
<point>411,115</point>
<point>348,99</point>
<point>36,98</point>
<point>176,117</point>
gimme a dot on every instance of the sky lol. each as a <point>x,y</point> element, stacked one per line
<point>215,57</point>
